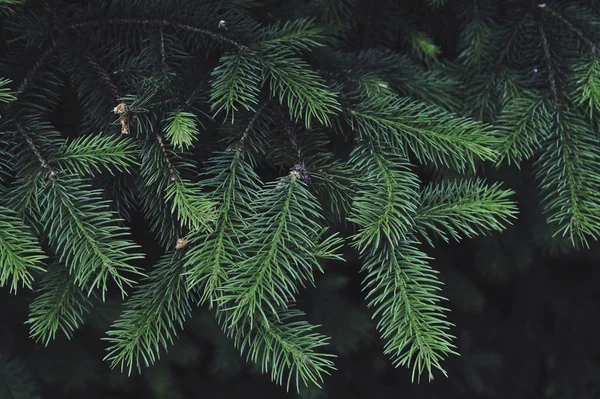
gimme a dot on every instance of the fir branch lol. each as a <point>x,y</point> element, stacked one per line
<point>20,252</point>
<point>463,208</point>
<point>403,289</point>
<point>60,305</point>
<point>151,317</point>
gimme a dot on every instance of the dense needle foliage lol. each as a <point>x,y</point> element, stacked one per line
<point>262,145</point>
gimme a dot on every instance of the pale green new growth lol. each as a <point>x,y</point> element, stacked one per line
<point>181,129</point>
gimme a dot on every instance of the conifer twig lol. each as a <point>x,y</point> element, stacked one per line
<point>34,149</point>
<point>36,67</point>
<point>133,21</point>
<point>163,148</point>
<point>548,58</point>
<point>573,28</point>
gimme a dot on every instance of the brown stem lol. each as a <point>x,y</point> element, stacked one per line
<point>572,27</point>
<point>36,67</point>
<point>163,147</point>
<point>160,22</point>
<point>548,58</point>
<point>34,149</point>
<point>103,75</point>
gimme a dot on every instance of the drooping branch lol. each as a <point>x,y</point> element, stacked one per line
<point>162,23</point>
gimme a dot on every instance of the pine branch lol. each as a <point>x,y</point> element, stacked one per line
<point>60,305</point>
<point>151,317</point>
<point>20,252</point>
<point>464,208</point>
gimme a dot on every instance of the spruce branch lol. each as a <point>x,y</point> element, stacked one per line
<point>568,172</point>
<point>234,185</point>
<point>181,129</point>
<point>290,78</point>
<point>586,76</point>
<point>189,205</point>
<point>430,133</point>
<point>280,249</point>
<point>94,154</point>
<point>524,124</point>
<point>287,347</point>
<point>386,197</point>
<point>298,35</point>
<point>59,306</point>
<point>403,290</point>
<point>235,84</point>
<point>549,62</point>
<point>5,93</point>
<point>463,208</point>
<point>33,71</point>
<point>545,8</point>
<point>152,316</point>
<point>20,252</point>
<point>85,233</point>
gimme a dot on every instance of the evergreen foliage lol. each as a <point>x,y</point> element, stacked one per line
<point>261,146</point>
